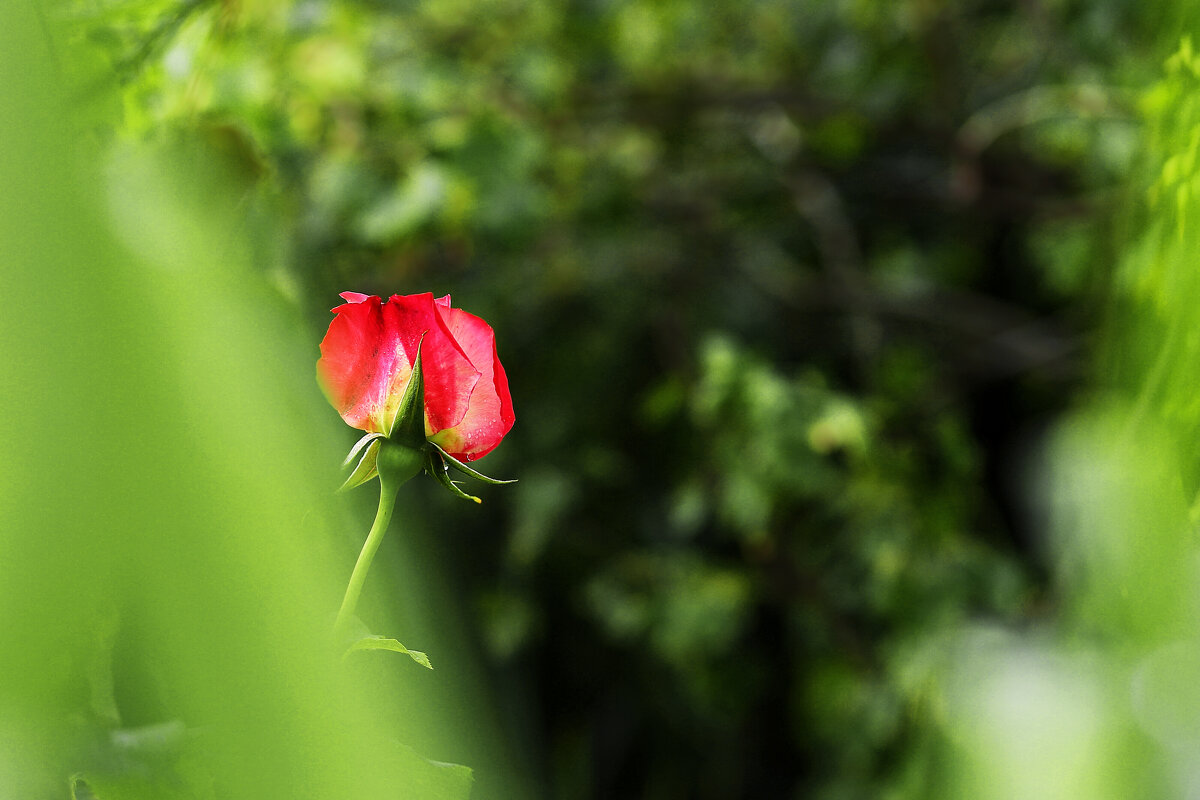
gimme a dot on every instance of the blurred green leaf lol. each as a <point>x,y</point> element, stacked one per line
<point>434,780</point>
<point>381,643</point>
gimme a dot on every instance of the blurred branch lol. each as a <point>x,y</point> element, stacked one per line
<point>818,201</point>
<point>1002,341</point>
<point>678,101</point>
<point>989,338</point>
<point>1041,104</point>
<point>166,27</point>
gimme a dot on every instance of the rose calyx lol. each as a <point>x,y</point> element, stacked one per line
<point>399,456</point>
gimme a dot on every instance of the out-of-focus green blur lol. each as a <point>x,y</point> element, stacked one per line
<point>172,554</point>
<point>853,348</point>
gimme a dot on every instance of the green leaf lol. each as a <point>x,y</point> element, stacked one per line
<point>463,468</point>
<point>436,466</point>
<point>433,780</point>
<point>80,790</point>
<point>374,642</point>
<point>98,666</point>
<point>400,212</point>
<point>152,762</point>
<point>366,469</point>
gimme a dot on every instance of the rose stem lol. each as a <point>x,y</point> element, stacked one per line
<point>387,502</point>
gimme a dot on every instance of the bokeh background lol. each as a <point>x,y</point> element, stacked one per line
<point>854,354</point>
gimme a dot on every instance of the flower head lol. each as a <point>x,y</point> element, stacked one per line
<point>367,360</point>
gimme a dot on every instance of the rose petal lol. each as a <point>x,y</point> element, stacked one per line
<point>349,369</point>
<point>367,355</point>
<point>449,375</point>
<point>490,413</point>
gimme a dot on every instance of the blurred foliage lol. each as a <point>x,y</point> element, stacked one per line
<point>170,562</point>
<point>786,291</point>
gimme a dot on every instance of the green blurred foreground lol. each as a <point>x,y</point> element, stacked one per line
<point>172,555</point>
<point>859,457</point>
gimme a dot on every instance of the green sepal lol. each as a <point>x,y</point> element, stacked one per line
<point>436,467</point>
<point>359,445</point>
<point>367,465</point>
<point>463,468</point>
<point>374,642</point>
<point>409,425</point>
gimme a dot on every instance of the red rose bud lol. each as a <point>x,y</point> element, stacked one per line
<point>366,361</point>
<point>383,364</point>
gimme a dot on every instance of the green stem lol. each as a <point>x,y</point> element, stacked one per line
<point>387,502</point>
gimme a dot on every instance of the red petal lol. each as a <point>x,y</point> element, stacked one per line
<point>490,413</point>
<point>366,361</point>
<point>449,374</point>
<point>349,367</point>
